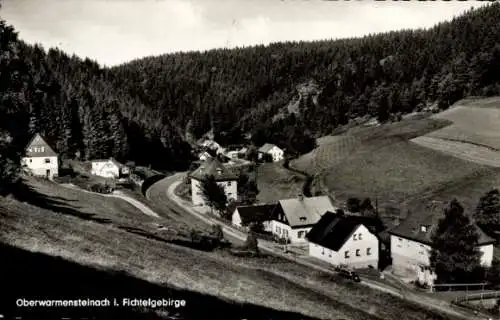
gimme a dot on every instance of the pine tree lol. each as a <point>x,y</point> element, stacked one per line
<point>455,256</point>
<point>487,213</point>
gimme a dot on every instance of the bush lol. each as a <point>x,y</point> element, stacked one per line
<point>217,232</point>
<point>100,188</point>
<point>251,243</point>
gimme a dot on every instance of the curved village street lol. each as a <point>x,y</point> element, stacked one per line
<point>162,195</point>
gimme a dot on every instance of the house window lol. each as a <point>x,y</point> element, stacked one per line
<point>301,234</point>
<point>346,254</point>
<point>322,251</point>
<point>229,183</point>
<point>285,233</point>
<point>47,160</point>
<point>360,236</point>
<point>31,160</point>
<point>368,251</point>
<point>354,237</point>
<point>278,230</point>
<point>330,253</point>
<point>358,253</point>
<point>42,149</point>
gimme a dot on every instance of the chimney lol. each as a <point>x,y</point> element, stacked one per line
<point>301,197</point>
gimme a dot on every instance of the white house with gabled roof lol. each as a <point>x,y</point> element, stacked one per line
<point>274,151</point>
<point>296,216</point>
<point>40,159</point>
<point>223,176</point>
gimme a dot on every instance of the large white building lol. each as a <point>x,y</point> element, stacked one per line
<point>411,245</point>
<point>274,151</point>
<point>40,159</point>
<point>223,177</point>
<point>298,215</point>
<point>345,240</point>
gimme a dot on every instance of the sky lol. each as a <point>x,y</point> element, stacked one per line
<point>116,31</point>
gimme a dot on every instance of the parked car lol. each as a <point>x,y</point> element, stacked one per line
<point>346,272</point>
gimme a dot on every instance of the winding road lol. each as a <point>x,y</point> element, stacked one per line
<point>166,203</point>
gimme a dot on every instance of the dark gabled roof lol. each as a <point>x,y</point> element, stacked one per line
<point>213,167</point>
<point>410,228</point>
<point>258,213</point>
<point>333,230</point>
<point>38,141</point>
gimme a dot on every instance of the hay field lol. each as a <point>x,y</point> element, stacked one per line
<point>474,134</point>
<point>383,163</point>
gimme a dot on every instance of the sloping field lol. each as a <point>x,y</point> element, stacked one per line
<point>267,281</point>
<point>330,150</point>
<point>473,136</point>
<point>463,150</point>
<point>275,182</point>
<point>384,164</point>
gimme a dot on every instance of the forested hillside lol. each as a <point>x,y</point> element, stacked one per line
<point>72,102</point>
<point>383,74</point>
<point>141,110</point>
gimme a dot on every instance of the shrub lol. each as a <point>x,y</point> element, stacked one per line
<point>251,243</point>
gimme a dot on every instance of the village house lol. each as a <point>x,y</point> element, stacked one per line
<point>298,215</point>
<point>224,177</point>
<point>244,216</point>
<point>40,159</point>
<point>108,168</point>
<point>274,151</point>
<point>203,156</point>
<point>342,239</point>
<point>411,245</point>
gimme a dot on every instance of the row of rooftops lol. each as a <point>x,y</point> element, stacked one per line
<point>330,229</point>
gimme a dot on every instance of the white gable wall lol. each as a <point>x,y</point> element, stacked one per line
<point>42,166</point>
<point>230,188</point>
<point>360,250</point>
<point>487,255</point>
<point>276,153</point>
<point>295,235</point>
<point>236,218</point>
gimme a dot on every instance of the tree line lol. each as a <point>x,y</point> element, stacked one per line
<point>143,111</point>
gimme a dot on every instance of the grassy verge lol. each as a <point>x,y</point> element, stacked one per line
<point>264,281</point>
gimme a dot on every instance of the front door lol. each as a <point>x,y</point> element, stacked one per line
<point>48,174</point>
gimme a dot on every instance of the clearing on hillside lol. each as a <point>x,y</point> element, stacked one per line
<point>474,134</point>
<point>275,182</point>
<point>384,164</point>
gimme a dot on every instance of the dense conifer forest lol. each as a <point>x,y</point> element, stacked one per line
<point>147,110</point>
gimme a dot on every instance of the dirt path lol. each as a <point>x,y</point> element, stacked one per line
<point>119,195</point>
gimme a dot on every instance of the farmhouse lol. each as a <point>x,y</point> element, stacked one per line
<point>298,216</point>
<point>345,239</point>
<point>274,151</point>
<point>223,176</point>
<point>108,168</point>
<point>244,216</point>
<point>40,159</point>
<point>411,245</point>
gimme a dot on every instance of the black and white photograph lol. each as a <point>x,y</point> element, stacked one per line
<point>249,160</point>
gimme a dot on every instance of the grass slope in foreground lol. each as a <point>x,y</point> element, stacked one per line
<point>276,286</point>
